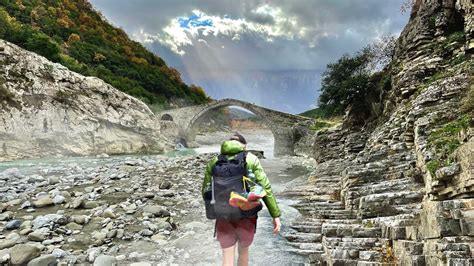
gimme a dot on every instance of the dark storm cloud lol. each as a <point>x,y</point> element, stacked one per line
<point>260,36</point>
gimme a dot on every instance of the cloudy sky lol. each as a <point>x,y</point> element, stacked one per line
<point>269,52</point>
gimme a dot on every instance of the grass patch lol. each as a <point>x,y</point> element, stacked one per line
<point>320,124</point>
<point>433,166</point>
<point>445,141</point>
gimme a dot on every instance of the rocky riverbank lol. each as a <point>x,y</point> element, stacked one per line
<point>48,110</point>
<point>118,209</point>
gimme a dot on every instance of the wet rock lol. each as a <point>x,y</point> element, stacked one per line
<point>13,224</point>
<point>23,253</point>
<point>46,260</point>
<point>43,202</point>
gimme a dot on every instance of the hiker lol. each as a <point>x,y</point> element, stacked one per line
<point>234,225</point>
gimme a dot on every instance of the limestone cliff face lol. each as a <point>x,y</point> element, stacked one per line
<point>402,191</point>
<point>47,110</point>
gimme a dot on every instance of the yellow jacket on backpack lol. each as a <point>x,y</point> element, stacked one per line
<point>231,148</point>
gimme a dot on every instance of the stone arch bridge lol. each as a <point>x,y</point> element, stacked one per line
<point>184,122</point>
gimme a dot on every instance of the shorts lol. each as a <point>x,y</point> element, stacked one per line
<point>231,231</point>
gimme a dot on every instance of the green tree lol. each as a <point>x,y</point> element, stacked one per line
<point>345,82</point>
<point>43,45</point>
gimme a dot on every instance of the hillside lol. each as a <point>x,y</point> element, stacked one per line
<point>74,34</point>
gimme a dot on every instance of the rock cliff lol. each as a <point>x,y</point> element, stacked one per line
<point>401,191</point>
<point>47,110</point>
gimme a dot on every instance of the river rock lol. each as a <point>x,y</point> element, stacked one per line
<point>104,260</point>
<point>156,210</point>
<point>90,205</point>
<point>74,226</point>
<point>23,253</point>
<point>7,243</point>
<point>43,202</point>
<point>165,185</point>
<point>6,216</point>
<point>39,235</point>
<point>11,173</point>
<point>79,219</point>
<point>141,264</point>
<point>59,199</point>
<point>46,260</point>
<point>53,180</point>
<point>13,224</point>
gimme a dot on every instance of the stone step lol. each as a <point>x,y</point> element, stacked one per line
<point>303,237</point>
<point>389,210</point>
<point>362,243</point>
<point>350,230</point>
<point>307,228</point>
<point>306,252</point>
<point>330,214</point>
<point>317,206</point>
<point>382,200</point>
<point>349,262</point>
<point>399,185</point>
<point>307,246</point>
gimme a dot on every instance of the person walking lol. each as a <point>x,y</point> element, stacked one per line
<point>226,174</point>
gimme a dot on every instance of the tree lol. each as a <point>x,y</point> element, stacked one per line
<point>355,81</point>
<point>344,82</point>
<point>43,45</point>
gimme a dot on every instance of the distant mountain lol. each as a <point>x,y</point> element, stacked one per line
<point>74,34</point>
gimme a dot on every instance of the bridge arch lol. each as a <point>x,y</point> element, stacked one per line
<point>281,124</point>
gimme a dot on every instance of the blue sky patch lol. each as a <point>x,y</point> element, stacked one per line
<point>194,21</point>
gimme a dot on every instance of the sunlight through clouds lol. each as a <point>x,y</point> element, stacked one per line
<point>187,30</point>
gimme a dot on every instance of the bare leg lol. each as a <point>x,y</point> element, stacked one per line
<point>243,256</point>
<point>228,256</point>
